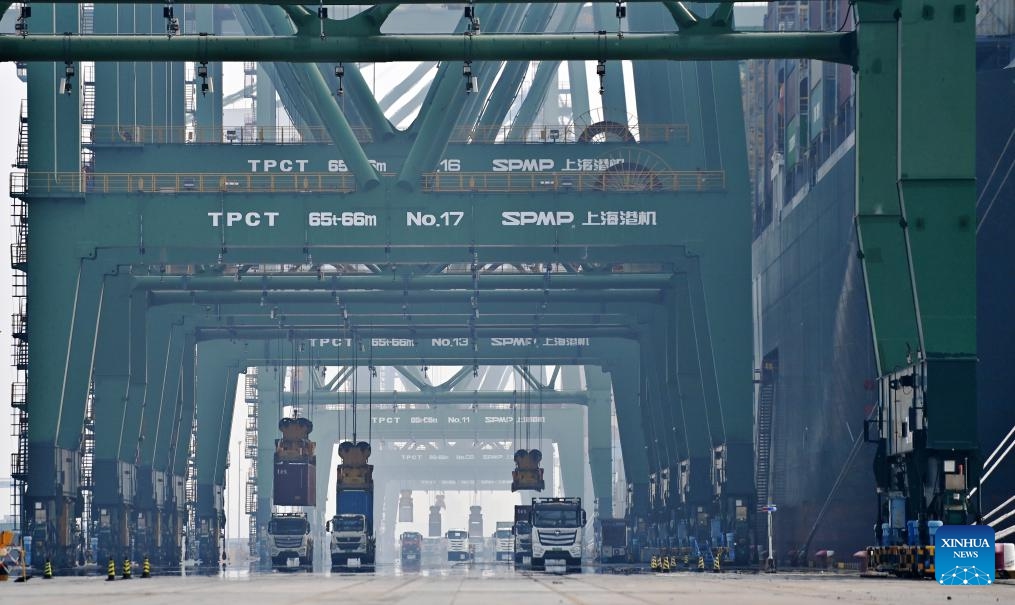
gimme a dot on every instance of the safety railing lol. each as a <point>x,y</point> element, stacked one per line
<point>117,134</point>
<point>44,183</point>
<point>63,183</point>
<point>573,133</point>
<point>612,181</point>
<point>113,134</point>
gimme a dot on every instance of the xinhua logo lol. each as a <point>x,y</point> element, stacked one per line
<point>964,555</point>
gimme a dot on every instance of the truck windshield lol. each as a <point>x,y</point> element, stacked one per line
<point>556,517</point>
<point>457,535</point>
<point>411,538</point>
<point>503,534</point>
<point>288,527</point>
<point>345,524</point>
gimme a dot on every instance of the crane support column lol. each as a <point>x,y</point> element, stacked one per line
<point>600,438</point>
<point>218,368</point>
<point>916,227</point>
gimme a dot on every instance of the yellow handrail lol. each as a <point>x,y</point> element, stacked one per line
<point>609,180</point>
<point>42,183</point>
<point>103,182</point>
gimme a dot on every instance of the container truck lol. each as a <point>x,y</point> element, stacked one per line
<point>557,533</point>
<point>289,542</point>
<point>352,527</point>
<point>523,535</point>
<point>458,545</point>
<point>504,541</point>
<point>412,549</point>
<point>611,535</point>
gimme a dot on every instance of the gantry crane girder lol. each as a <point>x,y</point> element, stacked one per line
<point>140,276</point>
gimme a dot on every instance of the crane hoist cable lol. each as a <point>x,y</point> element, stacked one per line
<point>370,401</point>
<point>355,384</point>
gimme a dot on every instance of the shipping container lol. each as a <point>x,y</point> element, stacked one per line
<point>357,502</point>
<point>295,484</point>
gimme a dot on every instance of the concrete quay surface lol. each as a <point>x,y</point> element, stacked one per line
<point>493,585</point>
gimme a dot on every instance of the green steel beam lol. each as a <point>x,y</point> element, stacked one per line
<point>402,88</point>
<point>659,107</point>
<point>631,419</point>
<point>614,96</point>
<point>338,127</point>
<point>267,106</point>
<point>304,48</point>
<point>184,424</point>
<point>111,370</point>
<point>937,192</point>
<point>656,397</point>
<point>208,115</point>
<point>436,116</point>
<point>61,354</point>
<point>302,113</point>
<point>403,112</point>
<point>546,72</point>
<point>198,231</point>
<point>133,407</point>
<point>414,376</point>
<point>360,2</point>
<point>914,205</point>
<point>573,457</point>
<point>217,368</point>
<point>600,438</point>
<point>340,283</point>
<point>442,398</point>
<point>501,19</point>
<point>366,104</point>
<point>362,99</point>
<point>168,393</point>
<point>695,417</point>
<point>156,355</point>
<point>498,102</point>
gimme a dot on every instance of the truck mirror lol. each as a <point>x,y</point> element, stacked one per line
<point>327,526</point>
<point>584,519</point>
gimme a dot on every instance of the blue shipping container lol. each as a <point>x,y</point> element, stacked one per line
<point>357,502</point>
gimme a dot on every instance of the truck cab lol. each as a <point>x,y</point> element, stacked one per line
<point>557,533</point>
<point>412,549</point>
<point>352,545</point>
<point>458,545</point>
<point>289,542</point>
<point>504,542</point>
<point>522,530</point>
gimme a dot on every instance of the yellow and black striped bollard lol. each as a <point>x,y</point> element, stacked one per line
<point>666,564</point>
<point>687,560</point>
<point>126,568</point>
<point>654,563</point>
<point>717,561</point>
<point>701,562</point>
<point>47,570</point>
<point>146,568</point>
<point>111,570</point>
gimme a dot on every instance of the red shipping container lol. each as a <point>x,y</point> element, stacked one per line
<point>295,483</point>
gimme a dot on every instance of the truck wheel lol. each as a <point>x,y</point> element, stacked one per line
<point>538,564</point>
<point>574,565</point>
